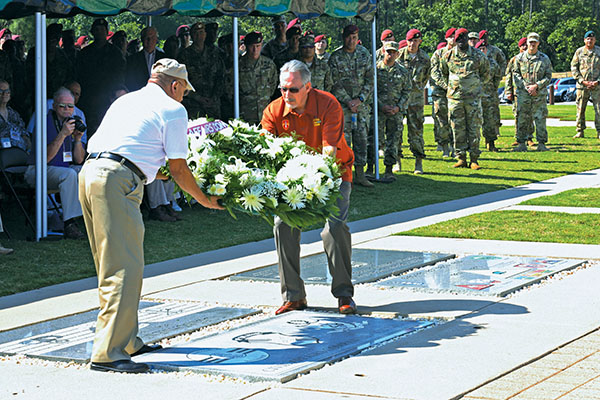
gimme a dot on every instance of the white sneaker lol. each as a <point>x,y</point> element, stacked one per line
<point>5,250</point>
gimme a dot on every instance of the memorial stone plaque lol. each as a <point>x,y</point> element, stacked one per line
<point>70,338</point>
<point>367,266</point>
<point>281,347</point>
<point>482,274</point>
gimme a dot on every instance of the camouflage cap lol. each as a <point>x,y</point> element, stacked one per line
<point>307,41</point>
<point>172,68</point>
<point>533,37</point>
<point>473,35</point>
<point>198,26</point>
<point>390,45</point>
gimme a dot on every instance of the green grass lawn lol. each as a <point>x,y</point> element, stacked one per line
<point>565,112</point>
<point>529,226</point>
<point>35,265</point>
<point>588,197</point>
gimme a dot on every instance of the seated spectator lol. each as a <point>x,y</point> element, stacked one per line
<point>75,89</point>
<point>160,197</point>
<point>4,250</point>
<point>63,150</point>
<point>12,127</point>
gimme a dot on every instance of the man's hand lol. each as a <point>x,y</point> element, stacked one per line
<point>354,104</point>
<point>532,89</point>
<point>509,96</point>
<point>184,178</point>
<point>77,135</point>
<point>67,128</point>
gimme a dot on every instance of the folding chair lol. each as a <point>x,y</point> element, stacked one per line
<point>13,163</point>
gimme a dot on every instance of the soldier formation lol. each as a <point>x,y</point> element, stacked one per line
<point>464,74</point>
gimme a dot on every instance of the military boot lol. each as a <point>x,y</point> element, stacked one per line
<point>461,163</point>
<point>418,166</point>
<point>445,150</point>
<point>491,146</point>
<point>360,178</point>
<point>389,173</point>
<point>521,147</point>
<point>542,147</point>
<point>397,167</point>
<point>474,164</point>
<point>579,135</point>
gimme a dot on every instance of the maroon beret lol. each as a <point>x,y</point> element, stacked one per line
<point>413,34</point>
<point>294,22</point>
<point>459,32</point>
<point>480,43</point>
<point>522,41</point>
<point>349,30</point>
<point>441,45</point>
<point>402,44</point>
<point>319,38</point>
<point>386,34</point>
<point>482,34</point>
<point>450,33</point>
<point>253,38</point>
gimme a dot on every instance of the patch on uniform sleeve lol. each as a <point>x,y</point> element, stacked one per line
<point>286,124</point>
<point>316,122</point>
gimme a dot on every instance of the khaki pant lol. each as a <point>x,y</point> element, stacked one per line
<point>110,195</point>
<point>583,96</point>
<point>338,248</point>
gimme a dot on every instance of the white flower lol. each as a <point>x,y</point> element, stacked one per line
<point>295,151</point>
<point>294,197</point>
<point>217,190</point>
<point>220,179</point>
<point>251,200</point>
<point>322,193</point>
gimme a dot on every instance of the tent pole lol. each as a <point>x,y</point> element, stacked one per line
<point>44,149</point>
<point>375,119</point>
<point>38,126</point>
<point>149,20</point>
<point>236,70</point>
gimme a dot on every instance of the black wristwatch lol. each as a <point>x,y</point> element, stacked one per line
<point>361,98</point>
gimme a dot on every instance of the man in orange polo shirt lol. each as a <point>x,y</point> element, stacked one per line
<point>317,117</point>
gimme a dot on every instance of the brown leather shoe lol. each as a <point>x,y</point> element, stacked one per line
<point>292,306</point>
<point>530,143</point>
<point>71,231</point>
<point>475,165</point>
<point>346,305</point>
<point>515,143</point>
<point>169,210</point>
<point>460,163</point>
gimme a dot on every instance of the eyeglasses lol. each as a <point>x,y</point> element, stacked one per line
<point>4,91</point>
<point>66,105</point>
<point>290,89</point>
<point>186,91</point>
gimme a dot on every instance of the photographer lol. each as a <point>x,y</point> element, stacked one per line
<point>64,151</point>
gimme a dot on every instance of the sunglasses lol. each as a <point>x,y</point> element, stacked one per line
<point>290,89</point>
<point>66,105</point>
<point>4,91</point>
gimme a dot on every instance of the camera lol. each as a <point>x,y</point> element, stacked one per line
<point>79,125</point>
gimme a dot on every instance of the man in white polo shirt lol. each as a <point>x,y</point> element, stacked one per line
<point>138,131</point>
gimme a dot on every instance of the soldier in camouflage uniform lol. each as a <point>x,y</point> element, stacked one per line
<point>321,48</point>
<point>439,111</point>
<point>532,73</point>
<point>509,89</point>
<point>352,73</point>
<point>417,62</point>
<point>278,43</point>
<point>497,54</point>
<point>585,67</point>
<point>258,79</point>
<point>393,88</point>
<point>320,74</point>
<point>464,71</point>
<point>386,36</point>
<point>490,92</point>
<point>292,51</point>
<point>206,72</point>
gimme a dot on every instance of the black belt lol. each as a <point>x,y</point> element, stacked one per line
<point>120,159</point>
